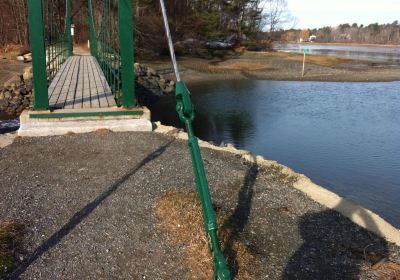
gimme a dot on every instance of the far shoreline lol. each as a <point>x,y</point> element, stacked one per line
<point>390,46</point>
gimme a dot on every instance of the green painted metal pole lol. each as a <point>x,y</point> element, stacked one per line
<point>185,110</point>
<point>36,31</point>
<point>125,23</point>
<point>68,28</point>
<point>93,41</point>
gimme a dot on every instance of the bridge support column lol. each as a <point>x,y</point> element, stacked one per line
<point>36,31</point>
<point>68,28</point>
<point>127,52</point>
<point>92,32</point>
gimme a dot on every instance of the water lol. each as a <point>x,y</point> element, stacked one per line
<point>344,136</point>
<point>376,54</point>
<point>8,125</point>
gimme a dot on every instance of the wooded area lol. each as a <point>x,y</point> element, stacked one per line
<point>348,33</point>
<point>249,23</point>
<point>238,20</point>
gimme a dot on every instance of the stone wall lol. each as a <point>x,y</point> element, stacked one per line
<point>148,79</point>
<point>16,95</point>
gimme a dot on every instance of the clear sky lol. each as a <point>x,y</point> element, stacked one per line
<point>319,13</point>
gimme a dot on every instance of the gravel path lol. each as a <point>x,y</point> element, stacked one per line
<point>88,204</point>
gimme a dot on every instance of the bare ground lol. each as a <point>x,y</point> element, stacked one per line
<point>90,206</point>
<point>9,68</point>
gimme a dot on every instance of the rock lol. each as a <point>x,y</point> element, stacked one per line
<point>7,95</point>
<point>151,72</point>
<point>27,76</point>
<point>29,87</point>
<point>3,104</point>
<point>22,91</point>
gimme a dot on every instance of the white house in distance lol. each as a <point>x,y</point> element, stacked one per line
<point>312,38</point>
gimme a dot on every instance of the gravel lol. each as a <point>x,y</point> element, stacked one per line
<point>88,205</point>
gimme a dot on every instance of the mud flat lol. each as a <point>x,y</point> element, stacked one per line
<point>281,66</point>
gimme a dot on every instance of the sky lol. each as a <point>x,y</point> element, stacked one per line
<point>319,13</point>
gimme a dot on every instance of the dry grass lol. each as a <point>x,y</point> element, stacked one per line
<point>102,131</point>
<point>327,61</point>
<point>238,66</point>
<point>387,271</point>
<point>69,134</point>
<point>11,237</point>
<point>181,219</point>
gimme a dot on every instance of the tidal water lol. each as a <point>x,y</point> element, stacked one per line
<point>344,136</point>
<point>376,54</point>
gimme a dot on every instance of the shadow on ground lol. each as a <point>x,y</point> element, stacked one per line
<point>79,216</point>
<point>334,249</point>
<point>237,222</point>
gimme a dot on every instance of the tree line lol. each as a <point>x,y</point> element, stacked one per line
<point>243,21</point>
<point>374,33</point>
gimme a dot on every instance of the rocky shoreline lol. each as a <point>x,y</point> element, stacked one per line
<point>17,95</point>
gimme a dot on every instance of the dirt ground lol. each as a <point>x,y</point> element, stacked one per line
<point>11,68</point>
<point>89,207</point>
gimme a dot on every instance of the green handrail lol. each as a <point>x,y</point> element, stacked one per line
<point>112,45</point>
<point>51,43</point>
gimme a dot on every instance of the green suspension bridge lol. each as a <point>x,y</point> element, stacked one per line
<point>102,84</point>
<point>65,81</point>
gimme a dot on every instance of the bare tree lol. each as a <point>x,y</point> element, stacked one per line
<point>276,14</point>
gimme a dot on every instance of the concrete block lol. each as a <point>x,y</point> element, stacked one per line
<point>33,127</point>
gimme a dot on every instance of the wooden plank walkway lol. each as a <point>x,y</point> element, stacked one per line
<point>80,83</point>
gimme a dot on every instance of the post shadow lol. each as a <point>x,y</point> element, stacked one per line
<point>79,216</point>
<point>334,247</point>
<point>237,222</point>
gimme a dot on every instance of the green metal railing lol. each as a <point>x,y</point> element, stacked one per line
<point>51,42</point>
<point>111,42</point>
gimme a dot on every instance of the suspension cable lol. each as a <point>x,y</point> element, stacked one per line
<point>170,43</point>
<point>186,112</point>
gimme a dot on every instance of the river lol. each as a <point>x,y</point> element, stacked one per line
<point>344,136</point>
<point>367,53</point>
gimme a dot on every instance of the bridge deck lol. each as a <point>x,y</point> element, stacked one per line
<point>80,83</point>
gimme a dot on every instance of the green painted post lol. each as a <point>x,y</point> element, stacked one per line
<point>93,41</point>
<point>185,110</point>
<point>125,22</point>
<point>68,27</point>
<point>36,31</point>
